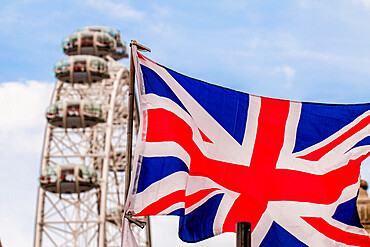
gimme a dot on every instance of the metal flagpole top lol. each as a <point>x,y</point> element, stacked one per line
<point>140,47</point>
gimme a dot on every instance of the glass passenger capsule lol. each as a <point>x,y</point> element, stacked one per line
<point>81,69</point>
<point>74,114</point>
<point>69,179</point>
<point>121,48</point>
<point>89,43</point>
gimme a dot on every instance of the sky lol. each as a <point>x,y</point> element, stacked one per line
<point>305,50</point>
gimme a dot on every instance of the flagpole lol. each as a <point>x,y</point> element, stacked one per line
<point>243,234</point>
<point>131,113</point>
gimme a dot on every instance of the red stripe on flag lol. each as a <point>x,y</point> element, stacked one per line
<point>269,141</point>
<point>190,200</point>
<point>312,187</point>
<point>337,234</point>
<point>270,133</point>
<point>142,57</point>
<point>319,153</point>
<point>163,203</point>
<point>204,137</point>
<point>261,182</point>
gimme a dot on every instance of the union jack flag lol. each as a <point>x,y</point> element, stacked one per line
<point>216,157</point>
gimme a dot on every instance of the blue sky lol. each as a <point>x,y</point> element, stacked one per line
<point>304,50</point>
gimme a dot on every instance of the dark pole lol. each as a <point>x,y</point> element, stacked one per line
<point>243,234</point>
<point>129,124</point>
<point>131,95</point>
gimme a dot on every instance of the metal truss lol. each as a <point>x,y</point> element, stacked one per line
<point>94,217</point>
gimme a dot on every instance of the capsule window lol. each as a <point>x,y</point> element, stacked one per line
<point>79,66</point>
<point>87,40</point>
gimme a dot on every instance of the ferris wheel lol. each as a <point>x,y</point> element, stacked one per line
<point>83,166</point>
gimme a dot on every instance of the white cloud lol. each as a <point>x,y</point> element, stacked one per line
<point>366,3</point>
<point>22,107</point>
<point>13,232</point>
<point>22,124</point>
<point>23,104</point>
<point>288,72</point>
<point>121,10</point>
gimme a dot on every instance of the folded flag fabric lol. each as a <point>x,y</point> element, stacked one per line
<point>215,157</point>
<point>128,238</point>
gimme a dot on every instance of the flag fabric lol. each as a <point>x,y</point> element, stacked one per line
<point>215,157</point>
<point>128,238</point>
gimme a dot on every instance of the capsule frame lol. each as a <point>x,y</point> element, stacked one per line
<point>89,43</point>
<point>121,47</point>
<point>81,69</point>
<point>74,114</point>
<point>67,179</point>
